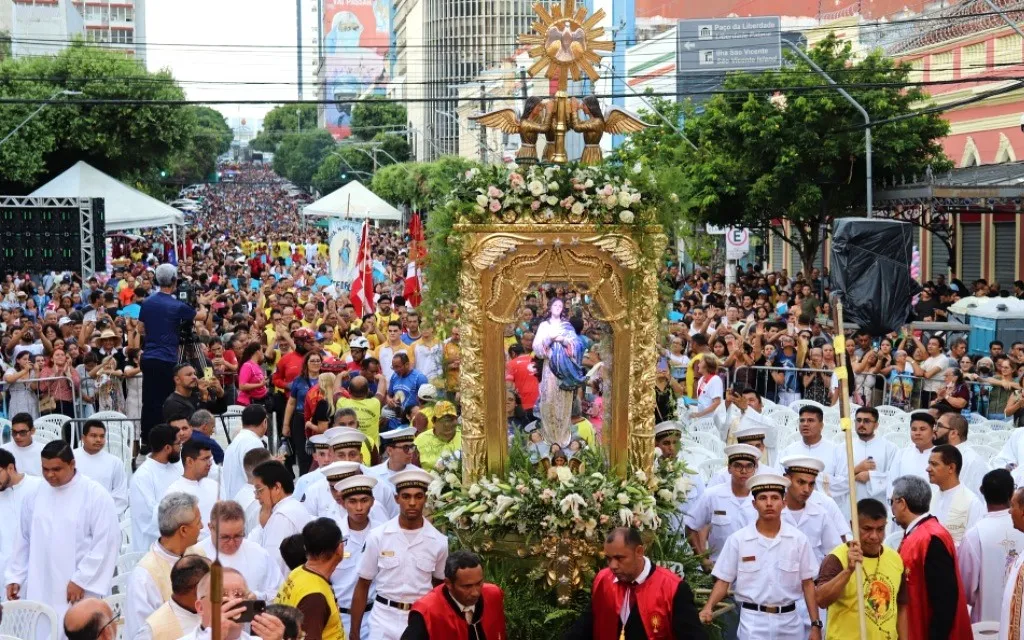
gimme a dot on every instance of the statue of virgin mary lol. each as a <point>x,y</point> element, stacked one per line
<point>561,348</point>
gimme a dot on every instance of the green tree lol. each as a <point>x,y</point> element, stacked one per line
<point>298,157</point>
<point>197,161</point>
<point>130,142</point>
<point>763,156</point>
<point>282,122</point>
<point>373,115</point>
<point>339,168</point>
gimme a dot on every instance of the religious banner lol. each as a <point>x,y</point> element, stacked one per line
<point>344,248</point>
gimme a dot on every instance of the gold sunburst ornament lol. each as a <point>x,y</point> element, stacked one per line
<point>566,42</point>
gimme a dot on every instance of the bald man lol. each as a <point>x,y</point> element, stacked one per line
<point>90,619</point>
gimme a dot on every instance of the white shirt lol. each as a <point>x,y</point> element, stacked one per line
<point>957,509</point>
<point>67,534</point>
<point>909,462</point>
<point>403,566</point>
<point>1012,452</point>
<point>986,555</point>
<point>428,359</point>
<point>724,511</point>
<point>261,572</point>
<point>345,576</point>
<point>147,487</point>
<point>815,522</point>
<point>233,474</point>
<point>286,519</point>
<point>205,490</point>
<point>107,470</point>
<point>187,620</point>
<point>884,454</point>
<point>143,595</point>
<point>320,502</point>
<point>27,459</point>
<point>974,470</point>
<point>12,500</point>
<point>246,497</point>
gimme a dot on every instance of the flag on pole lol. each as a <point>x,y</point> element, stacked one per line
<point>417,250</point>
<point>362,286</point>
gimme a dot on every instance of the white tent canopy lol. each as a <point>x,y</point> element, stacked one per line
<point>352,201</point>
<point>123,206</point>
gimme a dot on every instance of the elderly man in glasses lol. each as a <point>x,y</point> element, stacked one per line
<point>227,531</point>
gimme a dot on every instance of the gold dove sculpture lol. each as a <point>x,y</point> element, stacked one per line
<point>538,115</point>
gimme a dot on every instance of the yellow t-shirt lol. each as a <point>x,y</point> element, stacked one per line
<point>431,447</point>
<point>368,412</point>
<point>586,431</point>
<point>690,374</point>
<point>302,582</point>
<point>882,578</point>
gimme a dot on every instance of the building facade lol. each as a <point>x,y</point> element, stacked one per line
<point>119,24</point>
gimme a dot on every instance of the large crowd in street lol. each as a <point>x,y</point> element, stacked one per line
<point>271,421</point>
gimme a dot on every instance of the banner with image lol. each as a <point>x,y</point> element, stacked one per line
<point>357,39</point>
<point>344,249</point>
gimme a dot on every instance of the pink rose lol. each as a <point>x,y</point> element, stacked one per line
<point>495,206</point>
<point>535,205</point>
<point>494,192</point>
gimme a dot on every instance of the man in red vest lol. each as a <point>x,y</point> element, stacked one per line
<point>937,607</point>
<point>463,608</point>
<point>633,599</point>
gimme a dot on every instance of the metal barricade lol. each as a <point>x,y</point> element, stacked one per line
<point>32,396</point>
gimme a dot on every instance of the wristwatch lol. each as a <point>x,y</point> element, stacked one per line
<point>818,623</point>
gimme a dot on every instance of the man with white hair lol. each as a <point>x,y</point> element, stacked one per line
<point>235,591</point>
<point>227,535</point>
<point>160,318</point>
<point>149,584</point>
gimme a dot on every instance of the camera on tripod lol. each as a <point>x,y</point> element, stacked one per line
<point>188,293</point>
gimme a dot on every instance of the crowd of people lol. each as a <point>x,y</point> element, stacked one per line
<point>316,504</point>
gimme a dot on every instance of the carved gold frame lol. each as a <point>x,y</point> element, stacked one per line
<point>499,262</point>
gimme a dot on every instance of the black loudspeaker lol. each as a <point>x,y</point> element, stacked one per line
<point>870,269</point>
<point>40,239</point>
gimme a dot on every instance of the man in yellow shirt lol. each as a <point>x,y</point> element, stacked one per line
<point>581,426</point>
<point>366,407</point>
<point>308,587</point>
<point>385,313</point>
<point>444,438</point>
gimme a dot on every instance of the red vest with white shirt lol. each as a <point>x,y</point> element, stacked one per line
<point>913,551</point>
<point>654,598</point>
<point>443,622</point>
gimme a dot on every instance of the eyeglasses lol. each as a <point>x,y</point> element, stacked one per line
<point>115,621</point>
<point>240,536</point>
<point>865,420</point>
<point>258,490</point>
<point>408,448</point>
<point>20,432</point>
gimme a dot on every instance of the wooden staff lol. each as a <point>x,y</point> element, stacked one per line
<point>216,577</point>
<point>839,343</point>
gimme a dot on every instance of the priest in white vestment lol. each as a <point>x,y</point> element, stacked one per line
<point>1011,611</point>
<point>833,481</point>
<point>149,482</point>
<point>24,447</point>
<point>1011,455</point>
<point>93,461</point>
<point>149,584</point>
<point>272,482</point>
<point>953,428</point>
<point>227,532</point>
<point>68,539</point>
<point>956,508</point>
<point>990,548</point>
<point>246,496</point>
<point>873,457</point>
<point>16,489</point>
<point>912,460</point>
<point>178,615</point>
<point>197,457</point>
<point>254,427</point>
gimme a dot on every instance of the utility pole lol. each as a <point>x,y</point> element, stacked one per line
<point>298,119</point>
<point>375,160</point>
<point>526,95</point>
<point>483,129</point>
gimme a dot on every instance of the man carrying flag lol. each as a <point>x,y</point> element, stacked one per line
<point>362,286</point>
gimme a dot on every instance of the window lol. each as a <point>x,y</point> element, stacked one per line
<point>122,14</point>
<point>916,70</point>
<point>972,59</point>
<point>1008,50</point>
<point>941,67</point>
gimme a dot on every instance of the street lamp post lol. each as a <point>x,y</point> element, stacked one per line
<point>63,92</point>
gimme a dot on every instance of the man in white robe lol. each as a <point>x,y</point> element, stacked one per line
<point>1011,455</point>
<point>149,483</point>
<point>1011,611</point>
<point>254,427</point>
<point>68,537</point>
<point>16,489</point>
<point>912,460</point>
<point>24,446</point>
<point>990,548</point>
<point>956,508</point>
<point>953,428</point>
<point>177,616</point>
<point>246,496</point>
<point>93,461</point>
<point>833,481</point>
<point>227,533</point>
<point>272,483</point>
<point>197,457</point>
<point>149,583</point>
<point>873,457</point>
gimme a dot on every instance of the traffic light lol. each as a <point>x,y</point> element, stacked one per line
<point>344,176</point>
<point>163,174</point>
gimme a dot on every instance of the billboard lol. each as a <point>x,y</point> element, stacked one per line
<point>357,39</point>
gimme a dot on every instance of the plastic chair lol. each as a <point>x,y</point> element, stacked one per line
<point>708,468</point>
<point>127,561</point>
<point>119,583</point>
<point>126,533</point>
<point>985,630</point>
<point>976,418</point>
<point>711,442</point>
<point>999,425</point>
<point>116,423</point>
<point>898,438</point>
<point>703,425</point>
<point>889,411</point>
<point>22,618</point>
<point>798,404</point>
<point>985,452</point>
<point>116,603</point>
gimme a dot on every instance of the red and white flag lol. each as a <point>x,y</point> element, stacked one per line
<point>417,250</point>
<point>362,286</point>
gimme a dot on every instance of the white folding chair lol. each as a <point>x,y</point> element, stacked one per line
<point>119,583</point>
<point>49,427</point>
<point>126,562</point>
<point>999,425</point>
<point>116,603</point>
<point>116,423</point>
<point>898,438</point>
<point>889,411</point>
<point>711,442</point>
<point>708,468</point>
<point>985,452</point>
<point>22,618</point>
<point>976,418</point>
<point>703,425</point>
<point>126,535</point>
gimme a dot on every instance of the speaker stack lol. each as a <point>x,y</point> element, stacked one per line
<point>37,238</point>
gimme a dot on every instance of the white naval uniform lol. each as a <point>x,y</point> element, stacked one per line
<point>985,556</point>
<point>67,534</point>
<point>833,481</point>
<point>286,519</point>
<point>12,500</point>
<point>724,511</point>
<point>108,470</point>
<point>816,522</point>
<point>320,503</point>
<point>205,491</point>
<point>27,459</point>
<point>261,572</point>
<point>403,566</point>
<point>722,475</point>
<point>147,487</point>
<point>884,454</point>
<point>975,468</point>
<point>767,571</point>
<point>345,576</point>
<point>383,474</point>
<point>1007,608</point>
<point>957,509</point>
<point>303,482</point>
<point>909,462</point>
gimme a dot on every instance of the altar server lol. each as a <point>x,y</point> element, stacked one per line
<point>150,482</point>
<point>197,457</point>
<point>913,459</point>
<point>94,462</point>
<point>16,490</point>
<point>1011,619</point>
<point>956,508</point>
<point>873,456</point>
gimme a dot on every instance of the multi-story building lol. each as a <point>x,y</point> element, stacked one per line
<point>120,24</point>
<point>308,40</point>
<point>409,73</point>
<point>41,27</point>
